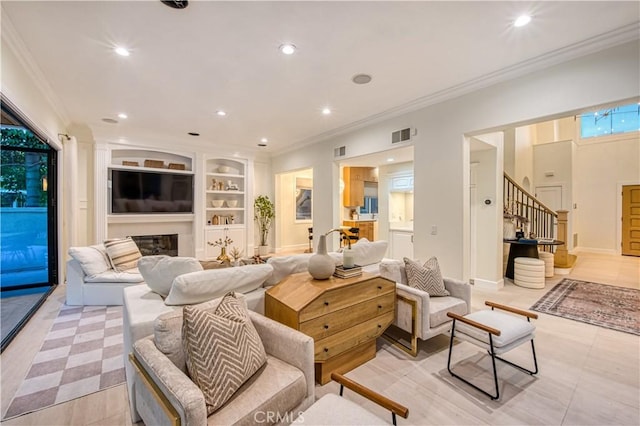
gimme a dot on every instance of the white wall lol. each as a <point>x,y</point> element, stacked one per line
<point>441,172</point>
<point>524,157</point>
<point>291,234</point>
<point>599,169</point>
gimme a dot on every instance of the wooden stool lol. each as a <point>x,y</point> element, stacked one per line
<point>529,272</point>
<point>495,332</point>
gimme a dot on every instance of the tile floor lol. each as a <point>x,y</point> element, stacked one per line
<point>588,375</point>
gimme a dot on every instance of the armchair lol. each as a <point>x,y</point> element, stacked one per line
<point>166,395</point>
<point>419,314</point>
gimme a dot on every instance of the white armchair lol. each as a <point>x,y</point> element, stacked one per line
<point>419,314</point>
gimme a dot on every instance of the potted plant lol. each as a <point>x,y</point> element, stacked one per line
<point>264,212</point>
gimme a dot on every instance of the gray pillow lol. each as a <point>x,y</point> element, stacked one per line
<point>425,277</point>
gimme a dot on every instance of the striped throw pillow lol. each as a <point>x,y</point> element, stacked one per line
<point>123,253</point>
<point>425,277</point>
<point>222,349</point>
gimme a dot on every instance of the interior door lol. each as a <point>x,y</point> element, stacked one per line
<point>631,220</point>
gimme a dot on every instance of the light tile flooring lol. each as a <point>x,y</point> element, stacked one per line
<point>588,375</point>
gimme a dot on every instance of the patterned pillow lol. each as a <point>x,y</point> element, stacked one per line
<point>426,278</point>
<point>123,253</point>
<point>222,349</point>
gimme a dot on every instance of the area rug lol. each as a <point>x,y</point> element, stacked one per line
<point>81,354</point>
<point>598,304</point>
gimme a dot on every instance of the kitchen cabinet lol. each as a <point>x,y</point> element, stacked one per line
<point>401,244</point>
<point>368,228</point>
<point>354,179</point>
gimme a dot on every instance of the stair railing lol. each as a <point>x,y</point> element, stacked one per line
<point>527,209</point>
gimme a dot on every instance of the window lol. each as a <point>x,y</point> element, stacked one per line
<point>28,256</point>
<point>622,119</point>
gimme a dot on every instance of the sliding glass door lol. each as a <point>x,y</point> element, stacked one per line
<point>28,257</point>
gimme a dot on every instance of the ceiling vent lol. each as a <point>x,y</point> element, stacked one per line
<point>403,135</point>
<point>340,151</point>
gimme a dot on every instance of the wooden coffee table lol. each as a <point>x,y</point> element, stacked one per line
<point>344,316</point>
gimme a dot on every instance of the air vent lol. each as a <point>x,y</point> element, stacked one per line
<point>340,151</point>
<point>403,135</point>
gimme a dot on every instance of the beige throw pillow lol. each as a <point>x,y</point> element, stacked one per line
<point>123,253</point>
<point>222,349</point>
<point>425,277</point>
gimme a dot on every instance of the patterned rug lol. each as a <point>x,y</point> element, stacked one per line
<point>598,304</point>
<point>81,354</point>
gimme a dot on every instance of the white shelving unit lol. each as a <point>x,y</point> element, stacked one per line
<point>225,203</point>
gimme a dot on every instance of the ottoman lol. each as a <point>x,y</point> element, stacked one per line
<point>529,272</point>
<point>548,263</point>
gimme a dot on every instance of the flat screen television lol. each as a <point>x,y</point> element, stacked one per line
<point>134,192</point>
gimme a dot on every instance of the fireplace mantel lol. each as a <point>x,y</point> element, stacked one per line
<point>150,218</point>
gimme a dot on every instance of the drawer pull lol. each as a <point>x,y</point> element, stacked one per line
<point>379,306</point>
<point>326,349</point>
<point>379,287</point>
<point>326,303</point>
<point>379,326</point>
<point>326,326</point>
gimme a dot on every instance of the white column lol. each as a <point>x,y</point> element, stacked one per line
<point>70,190</point>
<point>101,191</point>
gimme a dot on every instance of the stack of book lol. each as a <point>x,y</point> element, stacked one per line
<point>342,272</point>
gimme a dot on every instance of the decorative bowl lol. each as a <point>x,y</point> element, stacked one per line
<point>224,169</point>
<point>217,203</point>
<point>232,203</point>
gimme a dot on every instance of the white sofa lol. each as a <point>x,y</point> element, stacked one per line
<point>91,280</point>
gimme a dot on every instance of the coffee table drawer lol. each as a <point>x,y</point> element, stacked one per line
<point>340,298</point>
<point>323,326</point>
<point>347,339</point>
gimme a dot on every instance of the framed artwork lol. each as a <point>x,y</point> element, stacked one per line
<point>303,203</point>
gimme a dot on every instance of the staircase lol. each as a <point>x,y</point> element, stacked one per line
<point>527,211</point>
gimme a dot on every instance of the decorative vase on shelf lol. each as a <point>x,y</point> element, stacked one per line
<point>223,255</point>
<point>321,265</point>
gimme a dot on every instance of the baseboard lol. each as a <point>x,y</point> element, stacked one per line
<point>488,285</point>
<point>594,250</point>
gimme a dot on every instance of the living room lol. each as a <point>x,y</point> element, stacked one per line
<point>540,85</point>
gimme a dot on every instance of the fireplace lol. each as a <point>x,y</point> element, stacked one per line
<point>150,245</point>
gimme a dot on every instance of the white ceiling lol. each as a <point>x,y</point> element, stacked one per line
<point>186,64</point>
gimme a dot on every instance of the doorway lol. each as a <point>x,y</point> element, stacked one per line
<point>294,207</point>
<point>28,243</point>
<point>550,196</point>
<point>631,220</point>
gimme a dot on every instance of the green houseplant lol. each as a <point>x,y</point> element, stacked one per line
<point>264,212</point>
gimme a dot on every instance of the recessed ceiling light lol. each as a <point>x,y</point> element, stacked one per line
<point>522,20</point>
<point>326,111</point>
<point>110,120</point>
<point>193,134</point>
<point>287,48</point>
<point>123,115</point>
<point>264,140</point>
<point>221,113</point>
<point>361,78</point>
<point>389,160</point>
<point>122,51</point>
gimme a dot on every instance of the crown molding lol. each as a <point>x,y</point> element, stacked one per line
<point>585,47</point>
<point>15,43</point>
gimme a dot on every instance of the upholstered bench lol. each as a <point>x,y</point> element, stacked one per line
<point>496,332</point>
<point>334,410</point>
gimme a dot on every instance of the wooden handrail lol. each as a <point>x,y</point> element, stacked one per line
<point>473,323</point>
<point>511,309</point>
<point>527,193</point>
<point>371,395</point>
